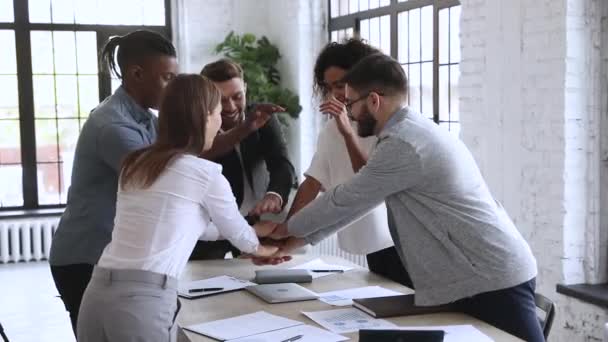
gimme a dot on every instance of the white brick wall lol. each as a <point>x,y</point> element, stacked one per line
<point>530,111</point>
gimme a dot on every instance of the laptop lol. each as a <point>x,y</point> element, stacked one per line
<point>393,306</point>
<point>282,293</point>
<point>278,276</point>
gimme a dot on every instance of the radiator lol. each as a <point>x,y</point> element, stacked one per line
<point>329,246</point>
<point>30,240</point>
<point>26,240</point>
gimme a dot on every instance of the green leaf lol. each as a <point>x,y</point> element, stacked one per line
<point>248,38</point>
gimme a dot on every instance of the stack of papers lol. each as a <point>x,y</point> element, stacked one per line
<point>261,327</point>
<point>221,284</point>
<point>299,333</point>
<point>345,297</point>
<point>347,320</point>
<point>317,265</point>
<point>242,326</point>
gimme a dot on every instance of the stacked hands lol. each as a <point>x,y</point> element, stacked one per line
<point>275,243</point>
<point>271,203</point>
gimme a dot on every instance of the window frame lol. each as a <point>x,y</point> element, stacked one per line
<point>393,9</point>
<point>22,29</point>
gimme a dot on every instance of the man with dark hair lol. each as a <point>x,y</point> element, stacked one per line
<point>340,154</point>
<point>251,150</point>
<point>458,243</point>
<point>228,75</point>
<point>120,124</point>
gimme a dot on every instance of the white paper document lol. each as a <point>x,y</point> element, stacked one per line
<point>225,283</point>
<point>242,326</point>
<point>320,265</point>
<point>456,333</point>
<point>303,333</point>
<point>345,297</point>
<point>347,320</point>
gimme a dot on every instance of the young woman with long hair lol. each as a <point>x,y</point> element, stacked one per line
<point>167,197</point>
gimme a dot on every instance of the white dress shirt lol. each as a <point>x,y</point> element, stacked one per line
<point>155,229</point>
<point>250,199</point>
<point>331,166</point>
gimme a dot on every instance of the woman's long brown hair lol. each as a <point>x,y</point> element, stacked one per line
<point>188,100</point>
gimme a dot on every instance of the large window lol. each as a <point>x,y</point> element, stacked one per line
<point>423,35</point>
<point>50,79</point>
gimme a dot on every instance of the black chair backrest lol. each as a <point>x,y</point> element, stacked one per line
<point>547,306</point>
<point>4,338</point>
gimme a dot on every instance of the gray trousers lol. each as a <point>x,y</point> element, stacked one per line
<point>129,306</point>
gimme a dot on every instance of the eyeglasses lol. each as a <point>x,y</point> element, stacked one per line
<point>349,105</point>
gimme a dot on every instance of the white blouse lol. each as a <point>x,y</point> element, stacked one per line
<point>155,229</point>
<point>331,167</point>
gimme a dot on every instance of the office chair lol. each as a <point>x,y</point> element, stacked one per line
<point>4,338</point>
<point>546,305</point>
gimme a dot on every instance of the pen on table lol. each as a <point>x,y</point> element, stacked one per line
<point>207,289</point>
<point>338,271</point>
<point>291,339</point>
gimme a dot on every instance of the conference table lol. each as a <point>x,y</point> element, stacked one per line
<point>226,305</point>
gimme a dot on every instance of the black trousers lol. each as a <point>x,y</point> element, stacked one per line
<point>512,310</point>
<point>387,263</point>
<point>209,250</point>
<point>71,281</point>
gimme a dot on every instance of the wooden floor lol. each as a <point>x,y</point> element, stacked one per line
<point>30,310</point>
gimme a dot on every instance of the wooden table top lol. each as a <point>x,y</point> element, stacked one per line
<point>241,302</point>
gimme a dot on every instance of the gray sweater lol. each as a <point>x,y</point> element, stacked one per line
<point>455,240</point>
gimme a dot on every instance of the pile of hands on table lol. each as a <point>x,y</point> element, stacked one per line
<point>275,243</point>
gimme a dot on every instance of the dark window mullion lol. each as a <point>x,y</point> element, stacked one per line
<point>77,81</point>
<point>56,113</point>
<point>168,28</point>
<point>105,80</point>
<point>344,21</point>
<point>394,32</point>
<point>409,58</point>
<point>94,27</point>
<point>449,67</point>
<point>26,104</point>
<point>55,74</point>
<point>436,61</point>
<point>441,4</point>
<point>420,60</point>
<point>329,16</point>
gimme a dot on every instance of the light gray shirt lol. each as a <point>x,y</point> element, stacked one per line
<point>116,127</point>
<point>455,240</point>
